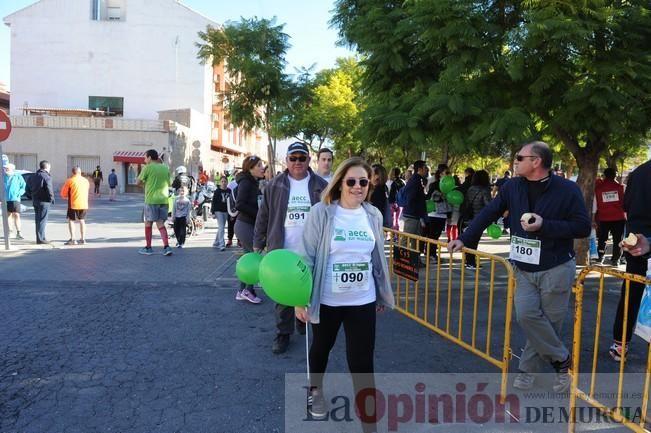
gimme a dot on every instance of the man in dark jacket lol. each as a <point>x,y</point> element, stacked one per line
<point>415,210</point>
<point>547,213</point>
<point>637,204</point>
<point>40,186</point>
<point>286,201</point>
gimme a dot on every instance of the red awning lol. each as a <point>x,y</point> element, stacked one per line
<point>134,157</point>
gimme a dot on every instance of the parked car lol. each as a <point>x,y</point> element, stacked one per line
<point>26,174</point>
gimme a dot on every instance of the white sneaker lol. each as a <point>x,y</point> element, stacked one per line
<point>524,381</point>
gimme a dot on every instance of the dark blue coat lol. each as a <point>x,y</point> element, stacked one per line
<point>562,208</point>
<point>415,197</point>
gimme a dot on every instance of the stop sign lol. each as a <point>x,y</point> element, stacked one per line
<point>5,126</point>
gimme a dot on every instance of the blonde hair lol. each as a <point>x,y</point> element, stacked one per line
<point>333,190</point>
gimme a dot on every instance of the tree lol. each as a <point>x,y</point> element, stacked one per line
<point>489,74</point>
<point>326,108</point>
<point>253,51</point>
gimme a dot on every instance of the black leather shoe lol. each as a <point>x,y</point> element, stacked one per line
<point>280,344</point>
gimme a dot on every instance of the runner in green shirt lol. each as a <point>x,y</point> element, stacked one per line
<point>155,177</point>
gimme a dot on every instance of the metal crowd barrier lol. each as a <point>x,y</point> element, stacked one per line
<point>437,300</point>
<point>619,412</point>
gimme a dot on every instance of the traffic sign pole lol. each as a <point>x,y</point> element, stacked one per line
<point>5,130</point>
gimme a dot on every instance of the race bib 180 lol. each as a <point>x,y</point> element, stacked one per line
<point>525,250</point>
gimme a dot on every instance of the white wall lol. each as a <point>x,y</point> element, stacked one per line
<point>60,57</point>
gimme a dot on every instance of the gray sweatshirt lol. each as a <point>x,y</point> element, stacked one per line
<point>270,221</point>
<point>317,234</point>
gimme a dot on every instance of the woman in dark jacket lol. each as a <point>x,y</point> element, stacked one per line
<point>246,203</point>
<point>478,196</point>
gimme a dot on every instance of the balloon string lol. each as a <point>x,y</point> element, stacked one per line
<point>307,351</point>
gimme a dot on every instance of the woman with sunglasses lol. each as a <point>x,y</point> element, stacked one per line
<point>246,203</point>
<point>344,246</point>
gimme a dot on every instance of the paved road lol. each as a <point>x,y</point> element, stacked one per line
<point>97,338</point>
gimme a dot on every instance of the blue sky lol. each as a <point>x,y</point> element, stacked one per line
<point>306,22</point>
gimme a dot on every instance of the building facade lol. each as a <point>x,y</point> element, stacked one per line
<point>125,62</point>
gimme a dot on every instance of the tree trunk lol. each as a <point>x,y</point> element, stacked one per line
<point>587,160</point>
<point>588,163</point>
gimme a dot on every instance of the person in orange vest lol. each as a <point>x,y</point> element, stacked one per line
<point>75,189</point>
<point>203,177</point>
<point>609,217</point>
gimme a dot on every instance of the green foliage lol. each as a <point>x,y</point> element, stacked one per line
<point>254,54</point>
<point>325,108</point>
<point>479,74</point>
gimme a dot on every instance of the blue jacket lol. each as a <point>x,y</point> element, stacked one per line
<point>415,196</point>
<point>113,180</point>
<point>14,187</point>
<point>562,208</point>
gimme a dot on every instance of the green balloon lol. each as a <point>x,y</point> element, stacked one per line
<point>247,268</point>
<point>454,197</point>
<point>430,206</point>
<point>286,278</point>
<point>494,231</point>
<point>446,184</point>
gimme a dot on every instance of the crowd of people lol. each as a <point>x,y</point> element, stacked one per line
<point>336,220</point>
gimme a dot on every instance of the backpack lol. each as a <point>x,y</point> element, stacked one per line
<point>230,203</point>
<point>396,186</point>
<point>401,197</point>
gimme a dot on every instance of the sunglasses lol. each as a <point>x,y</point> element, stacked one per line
<point>298,158</point>
<point>350,182</point>
<point>521,158</point>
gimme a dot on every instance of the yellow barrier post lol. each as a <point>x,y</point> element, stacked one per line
<point>591,397</point>
<point>411,245</point>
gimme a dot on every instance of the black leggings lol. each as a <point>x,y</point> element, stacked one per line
<point>616,228</point>
<point>231,228</point>
<point>180,229</point>
<point>359,327</point>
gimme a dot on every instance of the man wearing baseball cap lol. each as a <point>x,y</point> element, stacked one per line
<point>286,202</point>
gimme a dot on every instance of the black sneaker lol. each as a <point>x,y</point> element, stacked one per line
<point>280,344</point>
<point>319,407</point>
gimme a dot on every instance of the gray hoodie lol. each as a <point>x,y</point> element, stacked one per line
<point>318,231</point>
<point>270,221</point>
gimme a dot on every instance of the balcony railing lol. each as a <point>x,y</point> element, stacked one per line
<point>115,123</point>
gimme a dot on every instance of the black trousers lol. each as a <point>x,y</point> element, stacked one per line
<point>359,328</point>
<point>231,227</point>
<point>634,265</point>
<point>616,229</point>
<point>180,229</point>
<point>433,230</point>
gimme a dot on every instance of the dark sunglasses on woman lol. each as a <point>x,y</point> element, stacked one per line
<point>362,182</point>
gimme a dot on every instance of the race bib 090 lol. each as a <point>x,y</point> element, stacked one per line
<point>349,277</point>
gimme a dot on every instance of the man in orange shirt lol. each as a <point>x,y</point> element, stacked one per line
<point>76,191</point>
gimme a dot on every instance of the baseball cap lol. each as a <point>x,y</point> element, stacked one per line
<point>9,166</point>
<point>298,147</point>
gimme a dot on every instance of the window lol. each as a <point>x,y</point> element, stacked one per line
<point>108,10</point>
<point>23,161</point>
<point>111,105</point>
<point>86,163</point>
